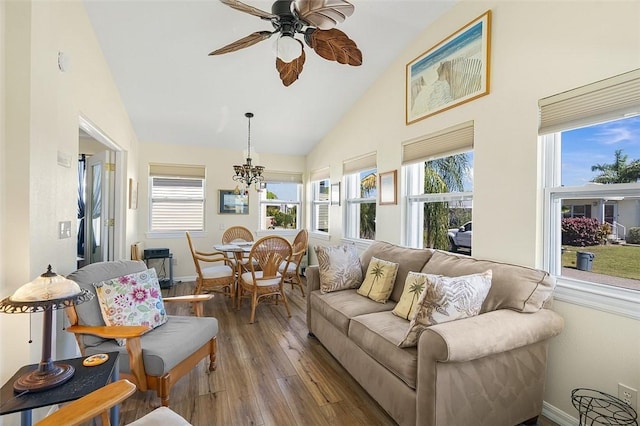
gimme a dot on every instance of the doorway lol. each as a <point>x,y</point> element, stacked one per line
<point>99,185</point>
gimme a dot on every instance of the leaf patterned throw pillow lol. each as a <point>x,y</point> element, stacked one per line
<point>378,283</point>
<point>414,284</point>
<point>447,299</point>
<point>339,267</point>
<point>133,299</point>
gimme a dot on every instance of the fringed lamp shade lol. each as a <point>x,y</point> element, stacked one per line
<point>46,293</point>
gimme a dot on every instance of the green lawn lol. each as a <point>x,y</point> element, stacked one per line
<point>614,260</point>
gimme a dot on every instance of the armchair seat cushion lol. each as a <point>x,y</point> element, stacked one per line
<point>161,416</point>
<point>166,346</point>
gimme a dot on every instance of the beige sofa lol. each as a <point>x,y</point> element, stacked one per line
<point>484,370</point>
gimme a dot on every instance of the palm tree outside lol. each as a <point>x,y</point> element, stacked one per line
<point>619,171</point>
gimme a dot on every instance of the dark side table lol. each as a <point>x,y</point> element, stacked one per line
<point>84,381</point>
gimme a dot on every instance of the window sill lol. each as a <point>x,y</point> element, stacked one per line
<point>280,232</point>
<point>319,235</point>
<point>173,234</point>
<point>360,244</point>
<point>615,300</point>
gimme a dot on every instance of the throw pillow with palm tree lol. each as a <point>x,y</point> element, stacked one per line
<point>413,287</point>
<point>379,280</point>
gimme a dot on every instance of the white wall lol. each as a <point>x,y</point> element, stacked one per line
<point>42,111</point>
<point>219,171</point>
<point>538,48</point>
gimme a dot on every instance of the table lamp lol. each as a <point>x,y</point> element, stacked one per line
<point>47,292</point>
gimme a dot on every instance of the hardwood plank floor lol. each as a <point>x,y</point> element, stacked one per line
<point>269,373</point>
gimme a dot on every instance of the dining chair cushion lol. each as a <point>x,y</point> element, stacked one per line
<point>161,416</point>
<point>89,313</point>
<point>218,271</point>
<point>247,277</point>
<point>165,346</point>
<point>291,268</point>
<point>133,299</point>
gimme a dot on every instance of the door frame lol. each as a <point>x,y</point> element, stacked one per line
<point>120,177</point>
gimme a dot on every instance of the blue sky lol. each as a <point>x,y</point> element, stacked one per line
<point>588,146</point>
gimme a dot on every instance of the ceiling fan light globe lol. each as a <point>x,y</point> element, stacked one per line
<point>288,48</point>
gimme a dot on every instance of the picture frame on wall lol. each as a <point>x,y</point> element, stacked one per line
<point>388,188</point>
<point>133,194</point>
<point>335,194</point>
<point>451,73</point>
<point>231,202</point>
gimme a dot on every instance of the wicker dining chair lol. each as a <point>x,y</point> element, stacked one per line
<point>219,277</point>
<point>265,283</point>
<point>235,234</point>
<point>292,271</point>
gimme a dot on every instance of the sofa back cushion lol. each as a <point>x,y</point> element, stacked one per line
<point>512,287</point>
<point>409,259</point>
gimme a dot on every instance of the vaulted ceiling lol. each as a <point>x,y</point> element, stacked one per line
<point>175,93</point>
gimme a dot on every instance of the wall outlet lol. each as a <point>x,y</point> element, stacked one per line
<point>628,395</point>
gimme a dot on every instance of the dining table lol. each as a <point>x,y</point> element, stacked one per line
<point>238,249</point>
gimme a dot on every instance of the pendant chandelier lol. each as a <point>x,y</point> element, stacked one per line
<point>248,173</point>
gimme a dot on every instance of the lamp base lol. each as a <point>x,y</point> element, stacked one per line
<point>37,380</point>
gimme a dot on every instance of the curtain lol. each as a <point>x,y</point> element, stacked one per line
<point>82,171</point>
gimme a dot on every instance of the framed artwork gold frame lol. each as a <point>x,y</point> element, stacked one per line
<point>388,188</point>
<point>451,73</point>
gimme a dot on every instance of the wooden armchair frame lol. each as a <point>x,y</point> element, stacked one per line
<point>161,384</point>
<point>299,245</point>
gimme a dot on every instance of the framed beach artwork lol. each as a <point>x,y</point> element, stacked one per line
<point>453,72</point>
<point>232,202</point>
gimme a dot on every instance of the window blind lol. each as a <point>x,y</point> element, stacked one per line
<point>320,174</point>
<point>358,164</point>
<point>446,142</point>
<point>282,177</point>
<point>177,204</point>
<point>177,170</point>
<point>604,100</point>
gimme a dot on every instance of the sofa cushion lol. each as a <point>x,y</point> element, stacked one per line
<point>447,299</point>
<point>409,259</point>
<point>340,306</point>
<point>133,299</point>
<point>339,267</point>
<point>165,346</point>
<point>379,280</point>
<point>378,334</point>
<point>512,287</point>
<point>413,287</point>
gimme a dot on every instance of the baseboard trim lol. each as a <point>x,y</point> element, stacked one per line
<point>558,416</point>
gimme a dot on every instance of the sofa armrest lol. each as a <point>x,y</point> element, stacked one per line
<point>487,334</point>
<point>313,278</point>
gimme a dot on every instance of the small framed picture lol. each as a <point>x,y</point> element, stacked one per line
<point>388,188</point>
<point>133,194</point>
<point>335,194</point>
<point>232,202</point>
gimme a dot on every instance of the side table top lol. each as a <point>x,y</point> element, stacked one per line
<point>84,381</point>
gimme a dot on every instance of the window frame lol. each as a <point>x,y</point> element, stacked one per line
<point>607,298</point>
<point>264,202</point>
<point>352,202</point>
<point>316,202</point>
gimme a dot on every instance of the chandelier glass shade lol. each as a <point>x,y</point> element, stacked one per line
<point>247,173</point>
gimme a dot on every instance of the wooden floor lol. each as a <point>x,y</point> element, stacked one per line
<point>269,373</point>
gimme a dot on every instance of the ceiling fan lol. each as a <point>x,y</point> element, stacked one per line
<point>314,19</point>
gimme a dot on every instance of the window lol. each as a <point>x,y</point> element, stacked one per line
<point>320,212</point>
<point>591,145</point>
<point>439,189</point>
<point>176,198</point>
<point>280,201</point>
<point>361,190</point>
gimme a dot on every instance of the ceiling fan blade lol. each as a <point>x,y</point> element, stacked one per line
<point>324,14</point>
<point>334,45</point>
<point>247,41</point>
<point>290,71</point>
<point>237,5</point>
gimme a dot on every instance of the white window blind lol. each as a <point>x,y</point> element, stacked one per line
<point>177,197</point>
<point>320,174</point>
<point>358,164</point>
<point>602,101</point>
<point>447,142</point>
<point>283,177</point>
